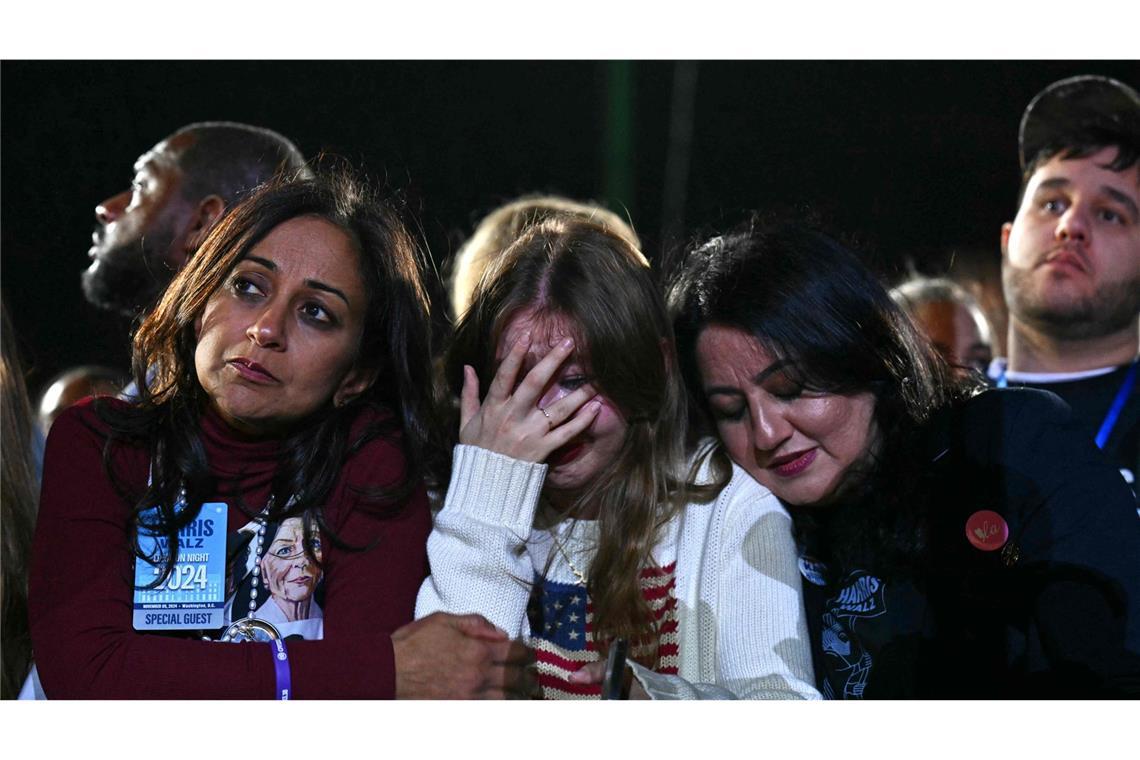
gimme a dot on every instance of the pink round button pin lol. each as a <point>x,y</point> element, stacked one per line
<point>987,530</point>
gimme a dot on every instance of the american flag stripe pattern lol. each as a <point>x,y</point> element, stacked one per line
<point>564,640</point>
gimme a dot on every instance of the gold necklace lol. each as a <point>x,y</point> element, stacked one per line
<point>582,581</point>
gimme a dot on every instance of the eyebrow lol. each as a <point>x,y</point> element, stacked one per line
<point>1121,198</point>
<point>1052,184</point>
<point>150,159</point>
<point>728,390</point>
<point>318,285</point>
<point>532,359</point>
<point>314,284</point>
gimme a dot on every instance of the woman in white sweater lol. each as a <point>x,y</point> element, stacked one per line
<point>575,514</point>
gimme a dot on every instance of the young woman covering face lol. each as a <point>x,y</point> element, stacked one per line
<point>575,514</point>
<point>574,464</point>
<point>942,530</point>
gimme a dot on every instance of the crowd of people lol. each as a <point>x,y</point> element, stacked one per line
<point>749,473</point>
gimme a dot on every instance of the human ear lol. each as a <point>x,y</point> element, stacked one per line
<point>207,213</point>
<point>1005,230</point>
<point>356,382</point>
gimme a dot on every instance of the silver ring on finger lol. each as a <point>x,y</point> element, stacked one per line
<point>549,419</point>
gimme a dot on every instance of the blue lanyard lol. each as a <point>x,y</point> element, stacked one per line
<point>1117,406</point>
<point>1113,411</point>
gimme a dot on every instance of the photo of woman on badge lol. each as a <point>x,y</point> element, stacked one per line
<point>282,430</point>
<point>291,572</point>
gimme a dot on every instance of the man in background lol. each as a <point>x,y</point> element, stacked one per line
<point>1071,260</point>
<point>181,187</point>
<point>951,318</point>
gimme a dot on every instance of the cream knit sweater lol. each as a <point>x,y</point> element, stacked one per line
<point>742,632</point>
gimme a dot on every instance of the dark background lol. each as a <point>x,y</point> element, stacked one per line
<point>913,159</point>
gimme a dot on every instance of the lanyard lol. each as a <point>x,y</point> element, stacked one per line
<point>1113,411</point>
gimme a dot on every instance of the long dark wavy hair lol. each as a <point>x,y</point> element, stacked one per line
<point>602,287</point>
<point>19,496</point>
<point>166,418</point>
<point>806,298</point>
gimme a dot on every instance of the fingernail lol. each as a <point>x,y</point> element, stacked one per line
<point>568,343</point>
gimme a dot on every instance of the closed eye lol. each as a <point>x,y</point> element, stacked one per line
<point>783,387</point>
<point>733,413</point>
<point>573,382</point>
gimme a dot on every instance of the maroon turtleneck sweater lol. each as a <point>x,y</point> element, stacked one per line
<point>81,577</point>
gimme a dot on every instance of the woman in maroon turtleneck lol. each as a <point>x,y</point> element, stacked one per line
<point>285,376</point>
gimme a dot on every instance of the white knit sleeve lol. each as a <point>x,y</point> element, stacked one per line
<point>754,640</point>
<point>763,646</point>
<point>477,544</point>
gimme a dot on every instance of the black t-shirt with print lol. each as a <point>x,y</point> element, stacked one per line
<point>1052,611</point>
